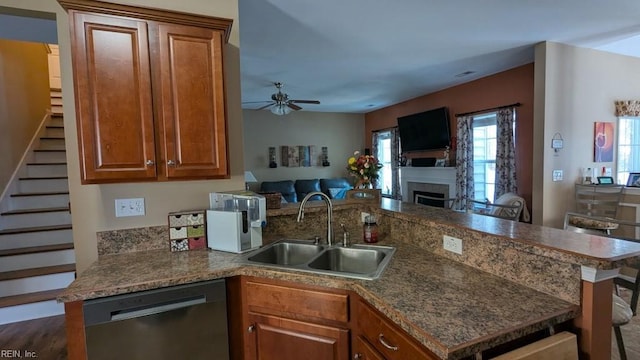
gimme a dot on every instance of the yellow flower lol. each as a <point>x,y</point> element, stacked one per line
<point>352,160</point>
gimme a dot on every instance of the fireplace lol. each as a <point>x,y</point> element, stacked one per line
<point>437,180</point>
<point>427,198</point>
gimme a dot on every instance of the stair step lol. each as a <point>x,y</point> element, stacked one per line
<point>29,298</point>
<point>46,270</point>
<point>35,229</point>
<point>49,150</point>
<point>52,138</point>
<point>34,211</point>
<point>45,163</point>
<point>36,249</point>
<point>51,143</point>
<point>41,194</point>
<point>29,260</point>
<point>35,236</point>
<point>38,200</point>
<point>25,312</point>
<point>46,169</point>
<point>32,184</point>
<point>21,218</point>
<point>36,283</point>
<point>53,155</point>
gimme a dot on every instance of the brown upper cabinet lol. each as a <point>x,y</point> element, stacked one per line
<point>149,92</point>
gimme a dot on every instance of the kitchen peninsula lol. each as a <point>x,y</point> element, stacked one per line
<point>532,278</point>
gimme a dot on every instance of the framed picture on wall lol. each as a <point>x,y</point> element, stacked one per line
<point>634,180</point>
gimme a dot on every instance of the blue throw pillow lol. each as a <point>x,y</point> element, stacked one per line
<point>338,193</point>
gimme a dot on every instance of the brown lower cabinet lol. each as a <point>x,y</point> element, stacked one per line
<point>284,320</point>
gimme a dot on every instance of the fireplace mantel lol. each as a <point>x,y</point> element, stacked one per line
<point>429,175</point>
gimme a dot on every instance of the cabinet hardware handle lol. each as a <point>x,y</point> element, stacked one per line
<point>150,163</point>
<point>385,343</point>
<point>357,356</point>
<point>251,328</point>
<point>171,163</point>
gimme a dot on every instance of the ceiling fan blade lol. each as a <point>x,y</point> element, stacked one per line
<point>266,106</point>
<point>293,106</point>
<point>305,101</point>
<point>256,102</point>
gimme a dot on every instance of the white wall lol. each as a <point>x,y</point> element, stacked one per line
<point>575,87</point>
<point>341,133</point>
<point>93,206</point>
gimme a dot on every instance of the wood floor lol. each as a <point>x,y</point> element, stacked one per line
<point>46,339</point>
<point>42,339</point>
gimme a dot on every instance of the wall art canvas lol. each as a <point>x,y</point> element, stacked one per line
<point>305,156</point>
<point>314,156</point>
<point>603,142</point>
<point>294,156</point>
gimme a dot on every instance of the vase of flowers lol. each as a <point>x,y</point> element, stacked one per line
<point>364,168</point>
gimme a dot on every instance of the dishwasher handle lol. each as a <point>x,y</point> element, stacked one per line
<point>130,314</point>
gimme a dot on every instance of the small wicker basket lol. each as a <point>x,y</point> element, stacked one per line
<point>273,199</point>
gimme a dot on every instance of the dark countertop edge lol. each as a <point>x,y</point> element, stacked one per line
<point>332,282</point>
<point>390,207</point>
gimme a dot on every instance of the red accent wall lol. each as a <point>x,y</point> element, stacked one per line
<point>507,87</point>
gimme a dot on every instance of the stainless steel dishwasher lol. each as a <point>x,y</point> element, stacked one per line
<point>179,322</point>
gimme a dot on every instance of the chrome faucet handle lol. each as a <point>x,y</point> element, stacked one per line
<point>346,241</point>
<point>316,240</point>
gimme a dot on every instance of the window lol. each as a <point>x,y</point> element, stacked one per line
<point>484,155</point>
<point>384,156</point>
<point>628,148</point>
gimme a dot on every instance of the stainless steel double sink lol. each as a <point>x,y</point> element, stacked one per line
<point>358,261</point>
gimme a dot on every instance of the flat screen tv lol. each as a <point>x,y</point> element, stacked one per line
<point>429,130</point>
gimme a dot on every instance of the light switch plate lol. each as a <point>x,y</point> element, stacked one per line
<point>363,216</point>
<point>129,207</point>
<point>557,175</point>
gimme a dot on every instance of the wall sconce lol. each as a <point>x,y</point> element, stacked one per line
<point>272,157</point>
<point>557,142</point>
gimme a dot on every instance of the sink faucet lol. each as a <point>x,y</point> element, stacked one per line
<point>327,200</point>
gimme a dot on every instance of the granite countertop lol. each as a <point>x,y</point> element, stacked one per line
<point>453,309</point>
<point>593,250</point>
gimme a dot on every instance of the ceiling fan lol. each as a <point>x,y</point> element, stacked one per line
<point>280,103</point>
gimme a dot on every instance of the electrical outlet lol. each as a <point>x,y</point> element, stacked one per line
<point>363,216</point>
<point>452,244</point>
<point>557,175</point>
<point>129,207</point>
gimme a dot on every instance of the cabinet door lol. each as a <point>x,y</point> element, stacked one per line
<point>276,338</point>
<point>362,350</point>
<point>113,98</point>
<point>191,102</point>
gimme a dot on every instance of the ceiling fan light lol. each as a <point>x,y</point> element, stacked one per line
<point>280,109</point>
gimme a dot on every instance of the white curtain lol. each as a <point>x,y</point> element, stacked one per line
<point>464,160</point>
<point>505,153</point>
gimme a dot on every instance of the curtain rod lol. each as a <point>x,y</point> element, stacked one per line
<point>489,109</point>
<point>384,129</point>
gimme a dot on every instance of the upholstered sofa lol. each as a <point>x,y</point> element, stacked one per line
<point>294,191</point>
